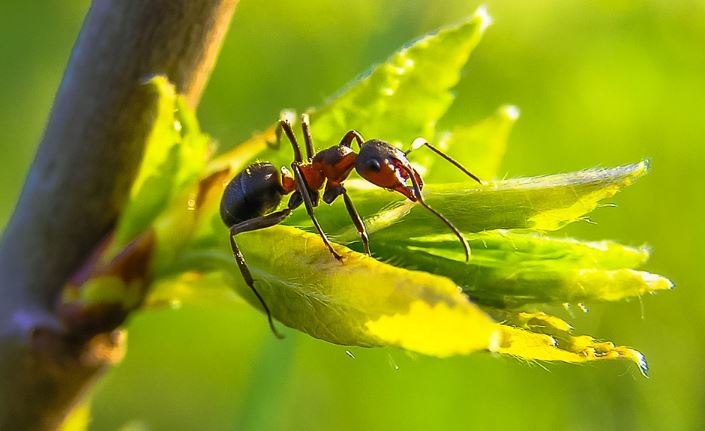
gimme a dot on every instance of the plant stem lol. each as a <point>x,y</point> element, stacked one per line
<point>78,184</point>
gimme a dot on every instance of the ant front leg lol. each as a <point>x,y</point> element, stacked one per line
<point>250,225</point>
<point>284,117</point>
<point>285,126</point>
<point>302,188</point>
<point>306,129</point>
<point>331,194</point>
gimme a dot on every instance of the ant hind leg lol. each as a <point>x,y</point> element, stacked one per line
<point>250,225</point>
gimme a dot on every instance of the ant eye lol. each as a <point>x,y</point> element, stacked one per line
<point>373,165</point>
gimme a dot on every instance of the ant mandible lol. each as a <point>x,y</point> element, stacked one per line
<point>252,196</point>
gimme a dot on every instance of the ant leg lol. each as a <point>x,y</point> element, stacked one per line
<point>349,137</point>
<point>285,125</point>
<point>302,188</point>
<point>284,117</point>
<point>331,194</point>
<point>357,221</point>
<point>420,142</point>
<point>306,128</point>
<point>420,199</point>
<point>250,225</point>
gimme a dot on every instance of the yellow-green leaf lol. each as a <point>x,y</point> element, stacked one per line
<point>538,336</point>
<point>402,98</point>
<point>176,154</point>
<point>361,301</point>
<point>540,203</point>
<point>510,269</point>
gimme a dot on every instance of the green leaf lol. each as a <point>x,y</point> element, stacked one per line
<point>175,156</point>
<point>509,269</point>
<point>360,302</point>
<point>402,98</point>
<point>200,288</point>
<point>78,418</point>
<point>539,336</point>
<point>540,203</point>
<point>405,96</point>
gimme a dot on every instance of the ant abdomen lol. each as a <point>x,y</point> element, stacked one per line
<point>254,192</point>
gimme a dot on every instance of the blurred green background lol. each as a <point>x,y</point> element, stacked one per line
<point>599,83</point>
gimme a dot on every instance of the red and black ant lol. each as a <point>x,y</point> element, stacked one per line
<point>252,196</point>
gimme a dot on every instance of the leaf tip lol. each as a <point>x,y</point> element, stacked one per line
<point>483,17</point>
<point>656,282</point>
<point>641,168</point>
<point>638,358</point>
<point>643,365</point>
<point>510,112</point>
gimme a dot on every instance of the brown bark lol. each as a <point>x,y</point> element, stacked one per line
<point>79,182</point>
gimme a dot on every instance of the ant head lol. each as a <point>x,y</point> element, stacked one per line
<point>386,166</point>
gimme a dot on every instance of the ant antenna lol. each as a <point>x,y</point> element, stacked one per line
<point>420,142</point>
<point>420,199</point>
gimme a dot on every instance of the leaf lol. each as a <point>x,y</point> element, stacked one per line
<point>368,303</point>
<point>509,269</point>
<point>402,98</point>
<point>411,88</point>
<point>78,418</point>
<point>176,155</point>
<point>194,288</point>
<point>539,336</point>
<point>360,302</point>
<point>539,203</point>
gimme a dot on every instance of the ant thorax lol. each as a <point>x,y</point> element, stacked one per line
<point>335,163</point>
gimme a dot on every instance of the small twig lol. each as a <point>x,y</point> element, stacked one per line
<point>79,182</point>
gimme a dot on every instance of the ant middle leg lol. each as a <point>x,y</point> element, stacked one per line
<point>302,188</point>
<point>357,221</point>
<point>250,225</point>
<point>332,194</point>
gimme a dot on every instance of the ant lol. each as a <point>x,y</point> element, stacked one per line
<point>251,198</point>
